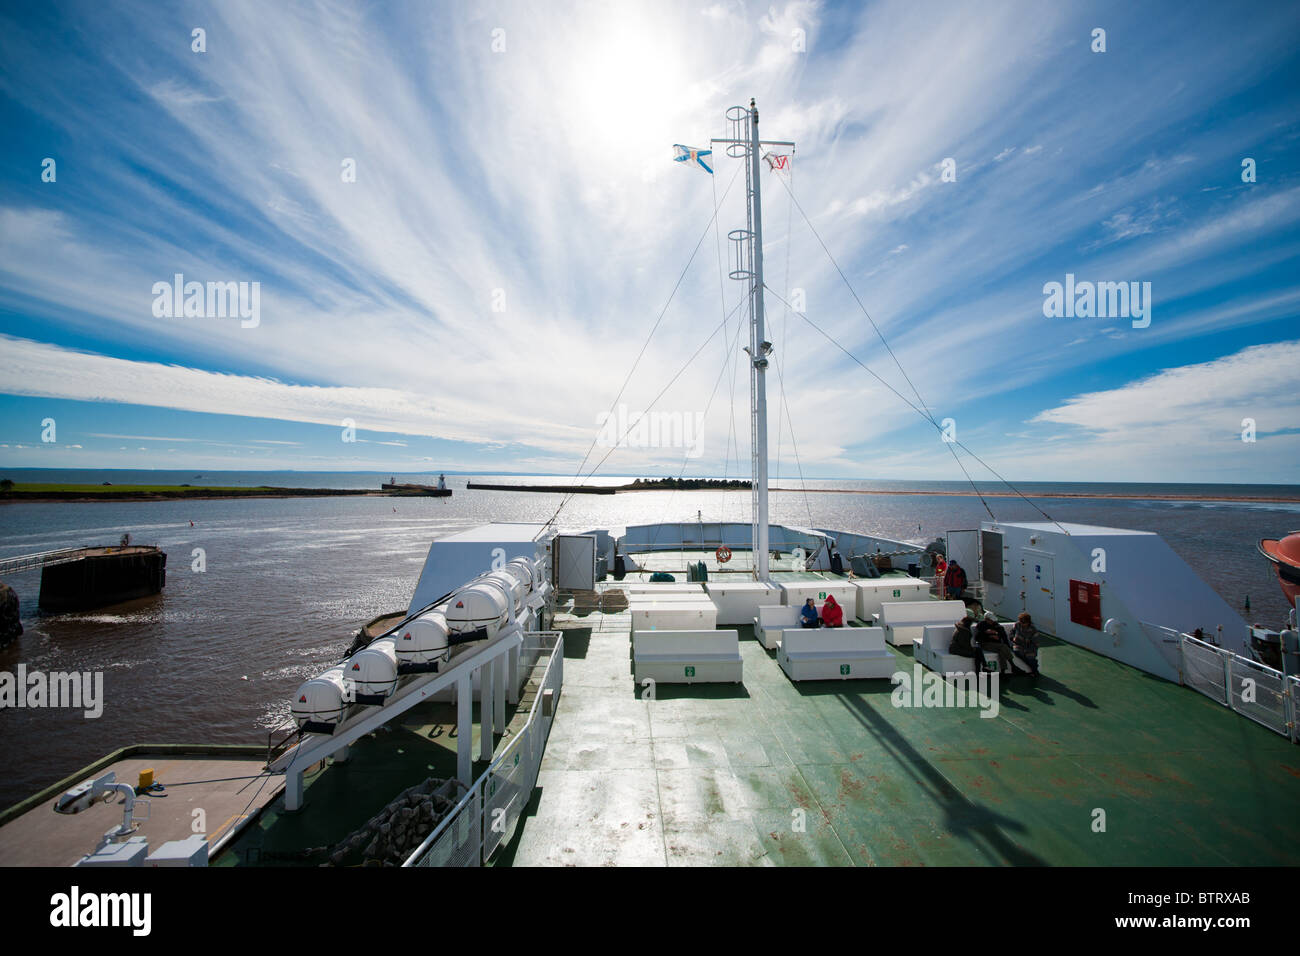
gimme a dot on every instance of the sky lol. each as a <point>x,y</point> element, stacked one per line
<point>470,248</point>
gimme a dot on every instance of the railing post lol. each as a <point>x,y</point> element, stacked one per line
<point>499,679</point>
<point>465,730</point>
<point>486,710</point>
<point>512,675</point>
<point>1227,676</point>
<point>292,790</point>
<point>481,822</point>
<point>1290,685</point>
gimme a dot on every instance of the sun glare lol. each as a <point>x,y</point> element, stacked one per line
<point>628,91</point>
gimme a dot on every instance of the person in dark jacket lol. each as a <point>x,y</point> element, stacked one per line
<point>989,636</point>
<point>954,581</point>
<point>808,615</point>
<point>963,642</point>
<point>832,613</point>
<point>1024,642</point>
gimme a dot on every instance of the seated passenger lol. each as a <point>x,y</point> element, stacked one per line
<point>832,613</point>
<point>808,615</point>
<point>963,642</point>
<point>1024,642</point>
<point>989,636</point>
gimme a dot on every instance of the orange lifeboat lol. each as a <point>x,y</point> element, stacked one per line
<point>1284,555</point>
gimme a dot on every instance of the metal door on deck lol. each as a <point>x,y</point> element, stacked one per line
<point>1040,590</point>
<point>575,562</point>
<point>964,547</point>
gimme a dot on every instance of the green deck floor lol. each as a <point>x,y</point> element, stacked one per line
<point>713,774</point>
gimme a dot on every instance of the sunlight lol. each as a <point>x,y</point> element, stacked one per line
<point>628,92</point>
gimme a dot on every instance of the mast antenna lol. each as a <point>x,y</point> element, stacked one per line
<point>747,266</point>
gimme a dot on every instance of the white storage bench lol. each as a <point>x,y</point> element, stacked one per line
<point>794,593</point>
<point>931,649</point>
<point>872,592</point>
<point>771,620</point>
<point>738,602</point>
<point>664,615</point>
<point>687,657</point>
<point>905,621</point>
<point>836,653</point>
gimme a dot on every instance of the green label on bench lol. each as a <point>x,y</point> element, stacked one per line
<point>897,593</point>
<point>516,760</point>
<point>690,671</point>
<point>844,668</point>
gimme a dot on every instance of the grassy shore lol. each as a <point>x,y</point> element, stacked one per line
<point>33,491</point>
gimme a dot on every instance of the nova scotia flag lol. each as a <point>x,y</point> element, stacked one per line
<point>689,154</point>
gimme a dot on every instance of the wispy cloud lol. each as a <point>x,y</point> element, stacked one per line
<point>516,223</point>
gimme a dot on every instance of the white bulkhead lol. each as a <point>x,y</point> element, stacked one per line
<point>373,669</point>
<point>323,699</point>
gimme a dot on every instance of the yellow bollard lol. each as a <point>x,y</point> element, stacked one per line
<point>146,779</point>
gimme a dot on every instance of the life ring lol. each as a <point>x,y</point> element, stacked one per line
<point>723,554</point>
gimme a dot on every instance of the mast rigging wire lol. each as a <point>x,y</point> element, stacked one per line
<point>906,401</point>
<point>618,442</point>
<point>662,312</point>
<point>928,415</point>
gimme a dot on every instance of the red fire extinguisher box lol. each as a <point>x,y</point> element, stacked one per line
<point>1085,604</point>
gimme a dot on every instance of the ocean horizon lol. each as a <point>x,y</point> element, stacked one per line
<point>292,478</point>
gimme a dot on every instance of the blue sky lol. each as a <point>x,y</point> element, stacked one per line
<point>475,298</point>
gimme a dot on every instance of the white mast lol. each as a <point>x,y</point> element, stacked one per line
<point>758,351</point>
<point>748,243</point>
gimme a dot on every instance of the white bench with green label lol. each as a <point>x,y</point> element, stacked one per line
<point>771,621</point>
<point>738,601</point>
<point>870,593</point>
<point>687,657</point>
<point>836,653</point>
<point>794,593</point>
<point>932,650</point>
<point>905,621</point>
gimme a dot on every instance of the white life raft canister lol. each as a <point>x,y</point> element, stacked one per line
<point>322,700</point>
<point>514,584</point>
<point>483,604</point>
<point>373,670</point>
<point>423,640</point>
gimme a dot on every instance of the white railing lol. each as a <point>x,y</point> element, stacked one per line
<point>42,559</point>
<point>1254,690</point>
<point>487,815</point>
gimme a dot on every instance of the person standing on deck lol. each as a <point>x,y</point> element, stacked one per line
<point>832,613</point>
<point>989,636</point>
<point>808,615</point>
<point>1024,642</point>
<point>954,581</point>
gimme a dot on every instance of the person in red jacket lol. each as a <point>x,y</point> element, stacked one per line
<point>832,613</point>
<point>954,581</point>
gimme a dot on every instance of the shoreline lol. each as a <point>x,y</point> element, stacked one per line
<point>1102,496</point>
<point>166,493</point>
